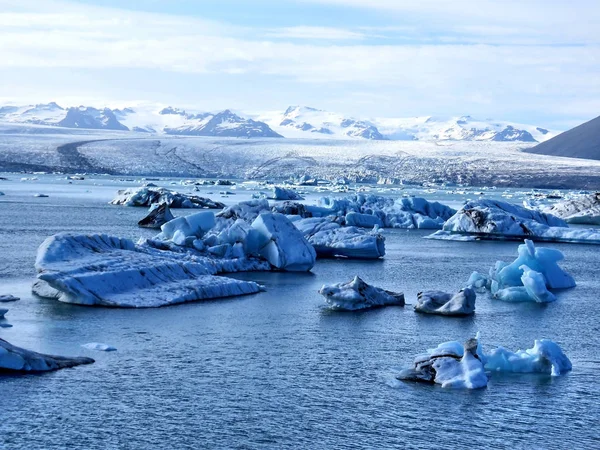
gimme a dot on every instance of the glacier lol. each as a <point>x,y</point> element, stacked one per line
<point>356,294</point>
<point>17,359</point>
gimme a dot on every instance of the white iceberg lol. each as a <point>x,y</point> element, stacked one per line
<point>280,193</point>
<point>584,209</point>
<point>158,215</point>
<point>16,359</point>
<point>99,347</point>
<point>282,244</point>
<point>330,239</point>
<point>356,294</point>
<point>442,303</point>
<point>451,364</point>
<point>545,357</point>
<point>146,196</point>
<point>109,271</point>
<point>494,219</point>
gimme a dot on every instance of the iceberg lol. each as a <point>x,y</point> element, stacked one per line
<point>451,364</point>
<point>282,244</point>
<point>582,210</point>
<point>494,219</point>
<point>356,294</point>
<point>545,357</point>
<point>147,196</point>
<point>280,193</point>
<point>5,298</point>
<point>3,311</point>
<point>438,302</point>
<point>99,347</point>
<point>330,239</point>
<point>111,271</point>
<point>192,226</point>
<point>158,215</point>
<point>385,212</point>
<point>16,359</point>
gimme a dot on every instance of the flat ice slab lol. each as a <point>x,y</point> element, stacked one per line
<point>16,359</point>
<point>356,294</point>
<point>8,298</point>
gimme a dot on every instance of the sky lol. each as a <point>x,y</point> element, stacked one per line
<point>527,61</point>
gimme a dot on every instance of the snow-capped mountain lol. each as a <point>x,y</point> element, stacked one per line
<point>304,121</point>
<point>169,120</point>
<point>294,122</point>
<point>463,128</point>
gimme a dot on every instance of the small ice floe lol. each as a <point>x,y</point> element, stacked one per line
<point>146,196</point>
<point>356,294</point>
<point>528,278</point>
<point>8,298</point>
<point>442,303</point>
<point>99,347</point>
<point>583,209</point>
<point>281,193</point>
<point>494,219</point>
<point>451,364</point>
<point>158,215</point>
<point>41,195</point>
<point>16,359</point>
<point>1,193</point>
<point>454,365</point>
<point>3,311</point>
<point>544,357</point>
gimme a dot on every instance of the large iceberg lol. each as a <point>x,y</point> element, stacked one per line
<point>147,196</point>
<point>110,271</point>
<point>438,302</point>
<point>356,294</point>
<point>370,210</point>
<point>451,364</point>
<point>495,219</point>
<point>330,239</point>
<point>282,244</point>
<point>16,359</point>
<point>584,209</point>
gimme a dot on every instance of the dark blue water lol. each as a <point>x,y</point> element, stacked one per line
<point>276,370</point>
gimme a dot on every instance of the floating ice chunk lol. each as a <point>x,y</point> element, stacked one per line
<point>100,347</point>
<point>280,243</point>
<point>545,357</point>
<point>41,195</point>
<point>438,302</point>
<point>194,225</point>
<point>109,271</point>
<point>543,260</point>
<point>247,211</point>
<point>157,216</point>
<point>478,281</point>
<point>8,298</point>
<point>280,193</point>
<point>1,194</point>
<point>363,220</point>
<point>13,358</point>
<point>3,311</point>
<point>330,239</point>
<point>357,294</point>
<point>535,285</point>
<point>584,209</point>
<point>146,196</point>
<point>451,365</point>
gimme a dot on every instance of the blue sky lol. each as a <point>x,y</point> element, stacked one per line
<point>528,61</point>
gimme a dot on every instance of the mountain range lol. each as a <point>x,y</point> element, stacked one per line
<point>294,122</point>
